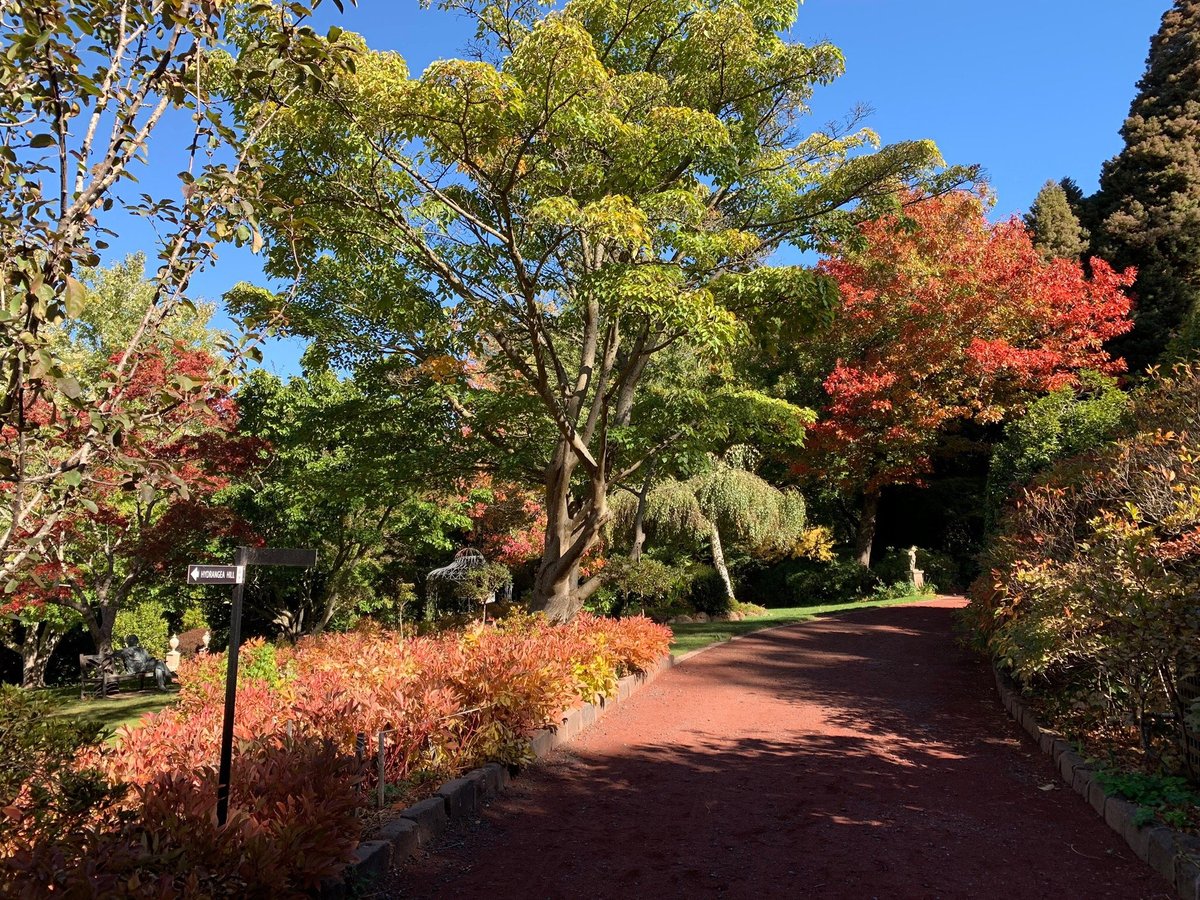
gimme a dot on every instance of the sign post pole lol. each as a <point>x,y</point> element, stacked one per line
<point>235,640</point>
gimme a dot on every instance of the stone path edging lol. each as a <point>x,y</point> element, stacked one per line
<point>460,798</point>
<point>1174,855</point>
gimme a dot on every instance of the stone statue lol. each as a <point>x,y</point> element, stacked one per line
<point>137,659</point>
<point>915,575</point>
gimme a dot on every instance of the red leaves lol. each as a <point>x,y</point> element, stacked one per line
<point>949,320</point>
<point>452,702</point>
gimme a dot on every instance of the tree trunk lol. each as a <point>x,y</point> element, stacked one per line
<point>639,517</point>
<point>101,619</point>
<point>556,588</point>
<point>40,641</point>
<point>718,556</point>
<point>866,528</point>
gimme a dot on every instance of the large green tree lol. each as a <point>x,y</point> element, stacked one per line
<point>1149,200</point>
<point>354,471</point>
<point>605,182</point>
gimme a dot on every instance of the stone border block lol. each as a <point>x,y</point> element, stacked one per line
<point>542,742</point>
<point>372,860</point>
<point>1097,798</point>
<point>430,818</point>
<point>587,716</point>
<point>1160,853</point>
<point>1187,873</point>
<point>625,688</point>
<point>1068,763</point>
<point>459,794</point>
<point>402,834</point>
<point>1081,781</point>
<point>1046,741</point>
<point>1118,814</point>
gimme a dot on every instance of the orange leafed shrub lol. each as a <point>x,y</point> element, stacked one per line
<point>448,703</point>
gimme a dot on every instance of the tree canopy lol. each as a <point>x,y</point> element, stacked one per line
<point>946,318</point>
<point>606,182</point>
<point>1149,199</point>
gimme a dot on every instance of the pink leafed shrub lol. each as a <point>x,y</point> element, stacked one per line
<point>448,703</point>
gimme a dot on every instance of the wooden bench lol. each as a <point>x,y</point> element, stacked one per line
<point>103,674</point>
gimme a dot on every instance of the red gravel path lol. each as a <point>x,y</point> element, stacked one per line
<point>859,756</point>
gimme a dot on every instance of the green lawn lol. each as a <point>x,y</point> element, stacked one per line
<point>121,709</point>
<point>694,635</point>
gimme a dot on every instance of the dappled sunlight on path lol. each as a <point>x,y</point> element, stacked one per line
<point>863,755</point>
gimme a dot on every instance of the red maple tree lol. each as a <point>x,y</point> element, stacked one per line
<point>140,513</point>
<point>945,318</point>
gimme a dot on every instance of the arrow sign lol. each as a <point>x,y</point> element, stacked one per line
<point>202,573</point>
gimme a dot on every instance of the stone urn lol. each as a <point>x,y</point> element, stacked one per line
<point>173,657</point>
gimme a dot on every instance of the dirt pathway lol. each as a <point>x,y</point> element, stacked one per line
<point>859,756</point>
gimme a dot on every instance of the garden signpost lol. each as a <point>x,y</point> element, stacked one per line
<point>236,575</point>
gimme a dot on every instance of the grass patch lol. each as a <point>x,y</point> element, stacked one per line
<point>691,636</point>
<point>126,708</point>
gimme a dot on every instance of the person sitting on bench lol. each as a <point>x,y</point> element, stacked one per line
<point>137,659</point>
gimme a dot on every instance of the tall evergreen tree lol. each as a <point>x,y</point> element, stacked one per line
<point>1149,201</point>
<point>1056,231</point>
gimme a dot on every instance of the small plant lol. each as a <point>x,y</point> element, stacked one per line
<point>1170,799</point>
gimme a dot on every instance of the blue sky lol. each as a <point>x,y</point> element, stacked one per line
<point>1029,89</point>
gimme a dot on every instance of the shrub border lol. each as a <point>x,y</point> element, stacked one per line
<point>1171,853</point>
<point>456,801</point>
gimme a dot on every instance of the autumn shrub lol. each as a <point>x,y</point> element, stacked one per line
<point>47,801</point>
<point>1092,593</point>
<point>139,817</point>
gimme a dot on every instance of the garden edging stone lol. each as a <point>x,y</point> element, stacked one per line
<point>456,801</point>
<point>1174,855</point>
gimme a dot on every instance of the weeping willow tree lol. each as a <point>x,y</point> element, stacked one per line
<point>726,506</point>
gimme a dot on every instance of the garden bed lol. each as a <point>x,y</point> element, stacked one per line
<point>448,704</point>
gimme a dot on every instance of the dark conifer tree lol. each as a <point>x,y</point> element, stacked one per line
<point>1149,201</point>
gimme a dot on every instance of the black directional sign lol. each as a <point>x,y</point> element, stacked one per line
<point>200,573</point>
<point>281,556</point>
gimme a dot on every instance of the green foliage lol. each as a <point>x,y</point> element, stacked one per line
<point>115,303</point>
<point>898,590</point>
<point>193,617</point>
<point>751,514</point>
<point>147,620</point>
<point>811,582</point>
<point>1149,199</point>
<point>1064,423</point>
<point>707,593</point>
<point>622,171</point>
<point>1172,800</point>
<point>802,582</point>
<point>1054,226</point>
<point>352,462</point>
<point>645,585</point>
<point>941,569</point>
